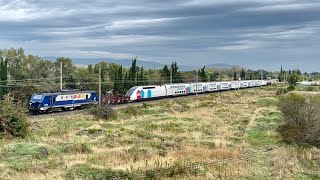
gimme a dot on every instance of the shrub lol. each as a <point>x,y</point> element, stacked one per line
<point>105,112</point>
<point>282,91</point>
<point>291,88</point>
<point>131,111</point>
<point>13,120</point>
<point>84,171</point>
<point>311,88</point>
<point>77,147</point>
<point>267,101</point>
<point>301,119</point>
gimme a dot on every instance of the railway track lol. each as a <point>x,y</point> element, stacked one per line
<point>119,106</point>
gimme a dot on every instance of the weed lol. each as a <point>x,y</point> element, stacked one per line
<point>73,148</point>
<point>267,101</point>
<point>84,171</point>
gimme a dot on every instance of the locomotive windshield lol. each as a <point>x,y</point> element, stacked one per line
<point>37,97</point>
<point>130,92</point>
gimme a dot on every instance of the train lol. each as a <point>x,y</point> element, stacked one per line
<point>72,99</point>
<point>140,93</point>
<point>60,101</point>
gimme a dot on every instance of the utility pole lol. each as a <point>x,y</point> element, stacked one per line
<point>197,83</point>
<point>171,75</point>
<point>99,86</point>
<point>286,77</point>
<point>61,76</point>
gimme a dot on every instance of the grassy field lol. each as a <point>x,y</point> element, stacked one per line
<point>230,135</point>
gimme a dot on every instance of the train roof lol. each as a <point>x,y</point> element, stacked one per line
<point>65,92</point>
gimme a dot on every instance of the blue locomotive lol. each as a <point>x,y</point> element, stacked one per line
<point>64,100</point>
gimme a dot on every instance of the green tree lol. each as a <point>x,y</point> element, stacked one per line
<point>214,76</point>
<point>202,74</point>
<point>133,73</point>
<point>176,75</point>
<point>281,74</point>
<point>293,79</point>
<point>165,73</point>
<point>235,75</point>
<point>243,74</point>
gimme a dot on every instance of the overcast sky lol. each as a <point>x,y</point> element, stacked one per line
<point>251,33</point>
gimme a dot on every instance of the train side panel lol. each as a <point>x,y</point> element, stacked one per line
<point>213,86</point>
<point>244,84</point>
<point>199,87</point>
<point>226,85</point>
<point>177,89</point>
<point>146,92</point>
<point>235,85</point>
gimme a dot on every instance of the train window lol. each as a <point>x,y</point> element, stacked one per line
<point>149,87</point>
<point>87,97</point>
<point>37,97</point>
<point>61,97</point>
<point>53,100</point>
<point>130,92</point>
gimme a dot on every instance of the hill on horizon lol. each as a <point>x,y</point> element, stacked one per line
<point>145,64</point>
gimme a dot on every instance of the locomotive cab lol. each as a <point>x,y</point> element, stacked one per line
<point>38,102</point>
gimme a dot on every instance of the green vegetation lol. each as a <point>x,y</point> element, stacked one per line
<point>231,135</point>
<point>302,119</point>
<point>267,101</point>
<point>13,121</point>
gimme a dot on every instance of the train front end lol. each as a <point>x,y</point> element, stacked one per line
<point>36,103</point>
<point>133,94</point>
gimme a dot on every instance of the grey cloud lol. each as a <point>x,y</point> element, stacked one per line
<point>246,32</point>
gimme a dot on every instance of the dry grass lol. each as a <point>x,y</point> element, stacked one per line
<point>228,135</point>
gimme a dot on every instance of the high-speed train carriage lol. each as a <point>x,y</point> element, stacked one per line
<point>244,84</point>
<point>258,83</point>
<point>146,92</point>
<point>199,87</point>
<point>225,85</point>
<point>213,86</point>
<point>252,83</point>
<point>177,89</point>
<point>264,83</point>
<point>235,85</point>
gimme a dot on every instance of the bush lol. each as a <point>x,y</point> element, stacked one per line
<point>77,147</point>
<point>13,119</point>
<point>291,88</point>
<point>105,112</point>
<point>301,119</point>
<point>282,91</point>
<point>267,101</point>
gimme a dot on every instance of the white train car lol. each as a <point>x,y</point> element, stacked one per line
<point>178,89</point>
<point>258,83</point>
<point>199,87</point>
<point>244,84</point>
<point>235,85</point>
<point>213,86</point>
<point>264,83</point>
<point>226,85</point>
<point>138,93</point>
<point>252,83</point>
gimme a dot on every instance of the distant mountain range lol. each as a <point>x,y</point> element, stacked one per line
<point>146,64</point>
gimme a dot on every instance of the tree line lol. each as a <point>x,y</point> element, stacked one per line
<point>23,75</point>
